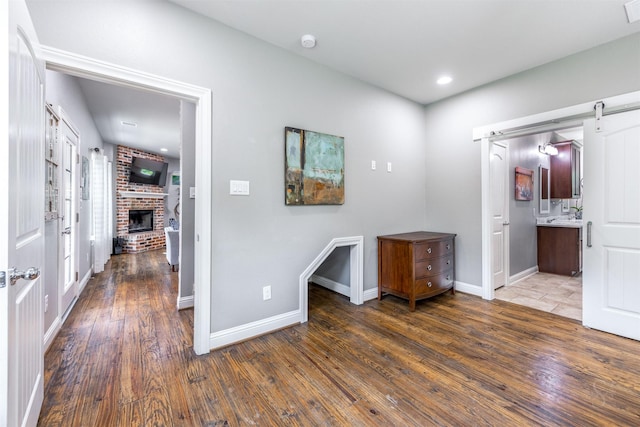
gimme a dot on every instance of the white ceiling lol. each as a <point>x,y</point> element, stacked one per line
<point>402,46</point>
<point>157,117</point>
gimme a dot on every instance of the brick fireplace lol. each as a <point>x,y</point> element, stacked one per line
<point>150,198</point>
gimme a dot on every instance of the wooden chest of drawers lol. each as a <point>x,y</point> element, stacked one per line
<point>415,265</point>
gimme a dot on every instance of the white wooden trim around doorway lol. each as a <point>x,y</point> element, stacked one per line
<point>81,66</point>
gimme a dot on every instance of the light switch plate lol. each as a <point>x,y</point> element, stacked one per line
<point>192,192</point>
<point>239,188</point>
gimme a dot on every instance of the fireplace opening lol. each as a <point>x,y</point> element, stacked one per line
<point>140,220</point>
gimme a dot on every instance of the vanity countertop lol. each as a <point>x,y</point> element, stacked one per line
<point>558,221</point>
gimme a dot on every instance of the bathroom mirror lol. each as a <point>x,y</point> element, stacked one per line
<point>545,202</point>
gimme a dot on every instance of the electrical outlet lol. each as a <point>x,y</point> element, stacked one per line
<point>266,293</point>
<point>388,166</point>
<point>373,165</point>
<point>46,303</point>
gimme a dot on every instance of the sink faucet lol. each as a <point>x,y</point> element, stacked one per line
<point>550,220</point>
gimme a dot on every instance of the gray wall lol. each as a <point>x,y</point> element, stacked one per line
<point>337,266</point>
<point>259,89</point>
<point>453,182</point>
<point>523,152</point>
<point>63,90</point>
<point>187,204</point>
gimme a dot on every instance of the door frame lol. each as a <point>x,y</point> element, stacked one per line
<point>89,68</point>
<point>537,123</point>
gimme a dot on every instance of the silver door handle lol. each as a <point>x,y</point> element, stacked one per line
<point>589,224</point>
<point>66,232</point>
<point>30,273</point>
<point>505,223</point>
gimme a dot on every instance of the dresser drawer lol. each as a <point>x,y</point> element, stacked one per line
<point>433,266</point>
<point>434,284</point>
<point>433,249</point>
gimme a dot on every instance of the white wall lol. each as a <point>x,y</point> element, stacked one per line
<point>259,89</point>
<point>453,159</point>
<point>63,90</point>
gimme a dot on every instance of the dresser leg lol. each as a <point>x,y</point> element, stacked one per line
<point>412,304</point>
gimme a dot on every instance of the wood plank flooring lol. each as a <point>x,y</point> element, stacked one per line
<point>124,358</point>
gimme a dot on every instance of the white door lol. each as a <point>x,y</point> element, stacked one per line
<point>22,229</point>
<point>68,280</point>
<point>499,213</point>
<point>611,236</point>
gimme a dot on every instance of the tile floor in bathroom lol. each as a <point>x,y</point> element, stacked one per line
<point>561,295</point>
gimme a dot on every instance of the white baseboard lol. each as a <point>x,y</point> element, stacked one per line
<point>185,302</point>
<point>331,285</point>
<point>370,294</point>
<point>51,333</point>
<point>468,288</point>
<point>522,275</point>
<point>253,329</point>
<point>84,281</point>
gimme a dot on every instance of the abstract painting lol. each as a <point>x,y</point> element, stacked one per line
<point>314,168</point>
<point>524,184</point>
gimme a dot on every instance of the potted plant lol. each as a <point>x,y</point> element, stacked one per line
<point>578,210</point>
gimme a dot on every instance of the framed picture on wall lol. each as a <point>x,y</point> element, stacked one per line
<point>175,178</point>
<point>314,168</point>
<point>524,184</point>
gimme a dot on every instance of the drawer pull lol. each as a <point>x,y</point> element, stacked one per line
<point>448,277</point>
<point>428,250</point>
<point>429,267</point>
<point>448,246</point>
<point>448,262</point>
<point>429,284</point>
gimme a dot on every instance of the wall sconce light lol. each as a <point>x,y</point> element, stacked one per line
<point>548,149</point>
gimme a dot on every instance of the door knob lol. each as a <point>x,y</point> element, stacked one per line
<point>30,273</point>
<point>505,223</point>
<point>66,232</point>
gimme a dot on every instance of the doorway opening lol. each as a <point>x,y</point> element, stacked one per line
<point>594,120</point>
<point>88,68</point>
<point>356,272</point>
<point>536,239</point>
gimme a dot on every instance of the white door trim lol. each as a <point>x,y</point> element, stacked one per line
<point>81,66</point>
<point>484,134</point>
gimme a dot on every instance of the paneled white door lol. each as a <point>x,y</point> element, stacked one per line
<point>499,214</point>
<point>22,228</point>
<point>611,238</point>
<point>68,241</point>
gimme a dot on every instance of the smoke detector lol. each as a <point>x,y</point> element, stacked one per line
<point>308,41</point>
<point>633,11</point>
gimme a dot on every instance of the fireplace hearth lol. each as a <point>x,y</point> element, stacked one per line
<point>140,220</point>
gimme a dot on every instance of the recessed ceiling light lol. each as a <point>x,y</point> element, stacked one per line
<point>132,124</point>
<point>444,80</point>
<point>164,150</point>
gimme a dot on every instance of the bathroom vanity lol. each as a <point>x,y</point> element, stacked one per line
<point>559,246</point>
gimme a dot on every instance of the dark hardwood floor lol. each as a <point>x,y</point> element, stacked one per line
<point>124,358</point>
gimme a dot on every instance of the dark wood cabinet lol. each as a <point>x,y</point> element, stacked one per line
<point>415,265</point>
<point>559,250</point>
<point>565,171</point>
